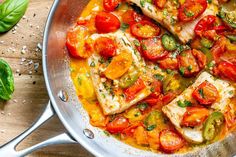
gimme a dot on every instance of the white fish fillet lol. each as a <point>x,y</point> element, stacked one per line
<point>112,104</point>
<point>184,31</point>
<point>175,113</point>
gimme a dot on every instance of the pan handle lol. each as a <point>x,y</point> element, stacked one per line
<point>9,149</point>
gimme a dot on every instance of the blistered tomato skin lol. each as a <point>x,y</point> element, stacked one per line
<point>106,22</point>
<point>206,93</point>
<point>191,9</point>
<point>105,46</point>
<point>117,125</point>
<point>111,5</point>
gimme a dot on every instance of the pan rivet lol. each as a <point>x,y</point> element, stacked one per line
<point>88,133</point>
<point>63,96</point>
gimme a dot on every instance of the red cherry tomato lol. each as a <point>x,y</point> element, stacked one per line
<point>145,29</point>
<point>105,46</point>
<point>75,42</point>
<point>117,125</point>
<point>206,93</point>
<point>188,65</point>
<point>170,141</point>
<point>206,27</point>
<point>152,49</point>
<point>131,17</point>
<point>111,5</point>
<point>168,63</point>
<point>106,22</point>
<point>191,9</point>
<point>131,92</point>
<point>226,70</point>
<point>160,3</point>
<point>194,116</point>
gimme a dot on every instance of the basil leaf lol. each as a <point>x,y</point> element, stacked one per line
<point>6,81</point>
<point>11,11</point>
<point>184,103</point>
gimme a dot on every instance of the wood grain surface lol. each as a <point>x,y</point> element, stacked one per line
<point>19,48</point>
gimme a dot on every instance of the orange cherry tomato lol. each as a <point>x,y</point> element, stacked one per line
<point>230,116</point>
<point>106,22</point>
<point>194,116</point>
<point>111,5</point>
<point>170,141</point>
<point>130,17</point>
<point>117,125</point>
<point>130,130</point>
<point>152,49</point>
<point>191,9</point>
<point>168,63</point>
<point>200,57</point>
<point>188,65</point>
<point>160,3</point>
<point>131,92</point>
<point>226,70</point>
<point>105,46</point>
<point>145,29</point>
<point>75,42</point>
<point>206,93</point>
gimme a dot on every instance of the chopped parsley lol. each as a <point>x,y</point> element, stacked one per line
<point>182,70</point>
<point>151,127</point>
<point>106,133</point>
<point>92,64</point>
<point>159,77</point>
<point>124,26</point>
<point>184,103</point>
<point>136,43</point>
<point>142,106</point>
<point>142,3</point>
<point>190,67</point>
<point>144,47</point>
<point>155,67</point>
<point>200,91</point>
<point>188,13</point>
<point>209,1</point>
<point>211,64</point>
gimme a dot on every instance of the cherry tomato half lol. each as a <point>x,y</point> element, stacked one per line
<point>145,29</point>
<point>160,3</point>
<point>169,63</point>
<point>191,9</point>
<point>170,141</point>
<point>206,27</point>
<point>188,65</point>
<point>130,17</point>
<point>117,125</point>
<point>194,116</point>
<point>206,93</point>
<point>226,70</point>
<point>152,49</point>
<point>134,89</point>
<point>111,5</point>
<point>105,46</point>
<point>106,22</point>
<point>75,42</point>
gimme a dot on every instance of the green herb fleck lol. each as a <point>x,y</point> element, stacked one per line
<point>155,67</point>
<point>182,70</point>
<point>124,26</point>
<point>142,3</point>
<point>200,91</point>
<point>188,13</point>
<point>184,103</point>
<point>92,64</point>
<point>136,43</point>
<point>190,67</point>
<point>144,47</point>
<point>142,106</point>
<point>106,133</point>
<point>151,127</point>
<point>209,1</point>
<point>159,77</point>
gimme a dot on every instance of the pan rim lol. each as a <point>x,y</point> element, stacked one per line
<point>48,85</point>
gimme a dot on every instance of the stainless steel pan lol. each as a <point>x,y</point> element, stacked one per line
<point>64,102</point>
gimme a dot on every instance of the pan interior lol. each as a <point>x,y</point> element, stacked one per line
<point>57,76</point>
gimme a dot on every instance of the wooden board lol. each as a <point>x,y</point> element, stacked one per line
<point>30,96</point>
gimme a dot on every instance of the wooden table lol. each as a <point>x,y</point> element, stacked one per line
<point>19,48</point>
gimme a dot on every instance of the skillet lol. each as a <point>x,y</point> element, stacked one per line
<point>64,102</point>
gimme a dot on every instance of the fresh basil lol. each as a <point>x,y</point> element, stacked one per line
<point>6,81</point>
<point>11,11</point>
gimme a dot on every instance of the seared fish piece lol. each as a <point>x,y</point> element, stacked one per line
<point>108,92</point>
<point>167,17</point>
<point>175,113</point>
